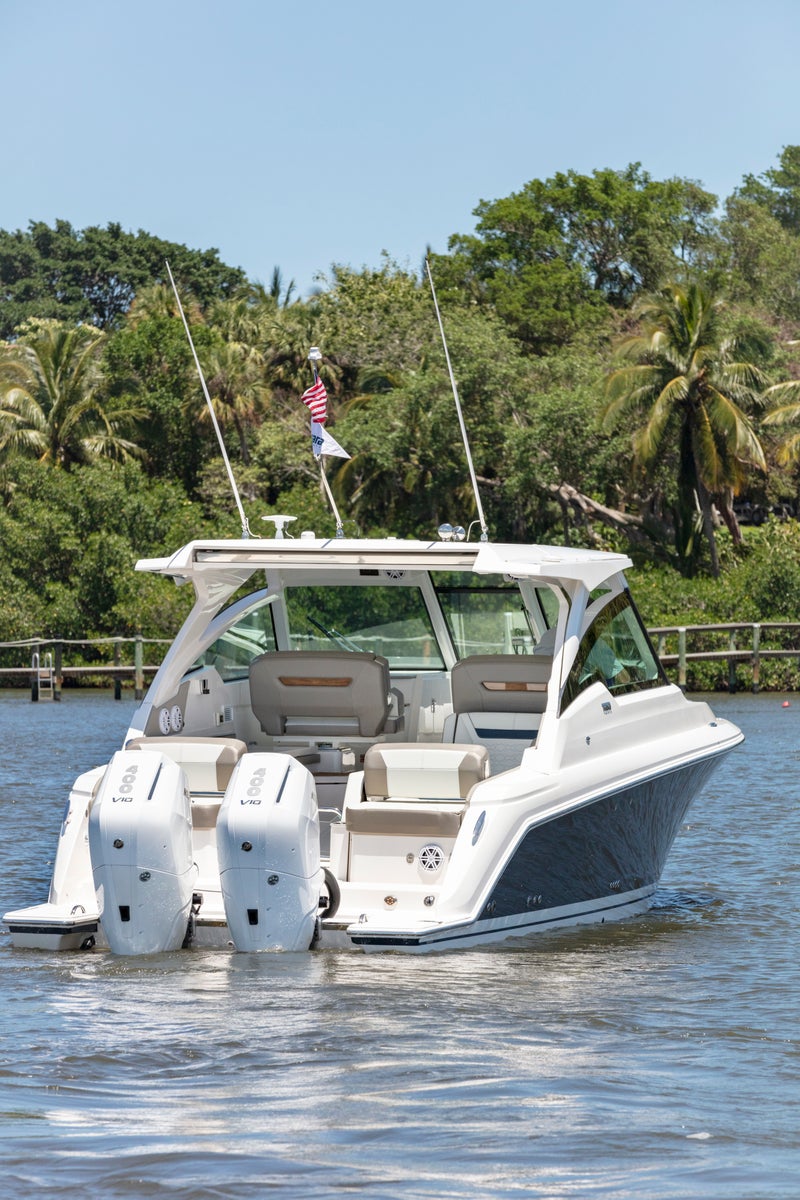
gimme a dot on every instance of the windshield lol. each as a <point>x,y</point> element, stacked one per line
<point>391,621</point>
<point>486,615</point>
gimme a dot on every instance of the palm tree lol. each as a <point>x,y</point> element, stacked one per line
<point>51,400</point>
<point>238,388</point>
<point>281,296</point>
<point>244,318</point>
<point>785,411</point>
<point>686,386</point>
<point>290,336</point>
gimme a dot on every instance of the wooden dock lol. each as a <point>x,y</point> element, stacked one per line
<point>764,640</point>
<point>47,670</point>
<point>737,644</point>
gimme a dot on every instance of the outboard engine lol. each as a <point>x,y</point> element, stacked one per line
<point>268,849</point>
<point>140,844</point>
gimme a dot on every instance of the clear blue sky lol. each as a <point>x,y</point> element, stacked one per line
<point>303,134</point>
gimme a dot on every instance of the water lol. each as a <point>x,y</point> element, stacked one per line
<point>655,1058</point>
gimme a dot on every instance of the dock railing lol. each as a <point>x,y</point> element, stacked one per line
<point>738,643</point>
<point>48,669</point>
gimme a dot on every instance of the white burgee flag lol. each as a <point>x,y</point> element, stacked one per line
<point>323,443</point>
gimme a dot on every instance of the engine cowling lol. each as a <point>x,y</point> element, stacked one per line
<point>140,844</point>
<point>269,854</point>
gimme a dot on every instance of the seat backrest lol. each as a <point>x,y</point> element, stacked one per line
<point>501,683</point>
<point>422,771</point>
<point>207,762</point>
<point>312,693</point>
<point>498,700</point>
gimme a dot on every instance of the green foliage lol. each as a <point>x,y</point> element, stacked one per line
<point>778,189</point>
<point>686,384</point>
<point>70,542</point>
<point>93,274</point>
<point>534,299</point>
<point>152,352</point>
<point>550,258</point>
<point>408,471</point>
<point>762,265</point>
<point>380,319</point>
<point>759,583</point>
<point>51,401</point>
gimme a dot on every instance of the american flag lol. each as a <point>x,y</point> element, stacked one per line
<point>316,399</point>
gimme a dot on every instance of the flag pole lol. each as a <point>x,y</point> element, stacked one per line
<point>234,489</point>
<point>481,518</point>
<point>314,357</point>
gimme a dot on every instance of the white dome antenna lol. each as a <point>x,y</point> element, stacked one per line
<point>281,521</point>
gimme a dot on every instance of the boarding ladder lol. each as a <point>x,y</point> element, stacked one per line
<point>42,677</point>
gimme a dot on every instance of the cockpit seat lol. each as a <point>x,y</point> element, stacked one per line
<point>498,701</point>
<point>413,788</point>
<point>336,694</point>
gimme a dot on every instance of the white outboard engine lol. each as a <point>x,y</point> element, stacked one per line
<point>140,843</point>
<point>268,848</point>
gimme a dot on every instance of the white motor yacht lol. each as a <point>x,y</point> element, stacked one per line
<point>385,745</point>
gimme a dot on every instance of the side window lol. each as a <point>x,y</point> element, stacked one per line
<point>617,651</point>
<point>233,652</point>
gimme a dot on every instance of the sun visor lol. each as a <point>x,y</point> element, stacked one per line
<point>589,567</point>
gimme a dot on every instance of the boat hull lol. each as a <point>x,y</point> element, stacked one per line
<point>599,861</point>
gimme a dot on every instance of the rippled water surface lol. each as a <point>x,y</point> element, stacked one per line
<point>656,1058</point>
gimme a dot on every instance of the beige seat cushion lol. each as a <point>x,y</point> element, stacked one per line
<point>498,700</point>
<point>422,771</point>
<point>501,683</point>
<point>395,818</point>
<point>207,762</point>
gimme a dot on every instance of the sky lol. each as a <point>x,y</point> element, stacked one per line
<point>301,135</point>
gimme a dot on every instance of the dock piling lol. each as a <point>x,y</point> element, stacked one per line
<point>138,667</point>
<point>117,676</point>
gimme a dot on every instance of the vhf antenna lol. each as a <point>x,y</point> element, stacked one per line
<point>234,489</point>
<point>481,518</point>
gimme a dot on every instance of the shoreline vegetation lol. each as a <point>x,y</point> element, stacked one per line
<point>731,656</point>
<point>627,353</point>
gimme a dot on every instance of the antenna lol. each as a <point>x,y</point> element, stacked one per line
<point>481,518</point>
<point>234,489</point>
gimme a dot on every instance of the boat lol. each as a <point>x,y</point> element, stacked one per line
<point>381,744</point>
<point>384,745</point>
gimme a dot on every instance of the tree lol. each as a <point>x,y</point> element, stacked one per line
<point>93,274</point>
<point>408,472</point>
<point>236,384</point>
<point>152,349</point>
<point>52,406</point>
<point>687,388</point>
<point>761,266</point>
<point>784,399</point>
<point>378,318</point>
<point>553,257</point>
<point>68,544</point>
<point>280,295</point>
<point>777,190</point>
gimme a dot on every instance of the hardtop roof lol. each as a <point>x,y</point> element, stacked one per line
<point>552,563</point>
